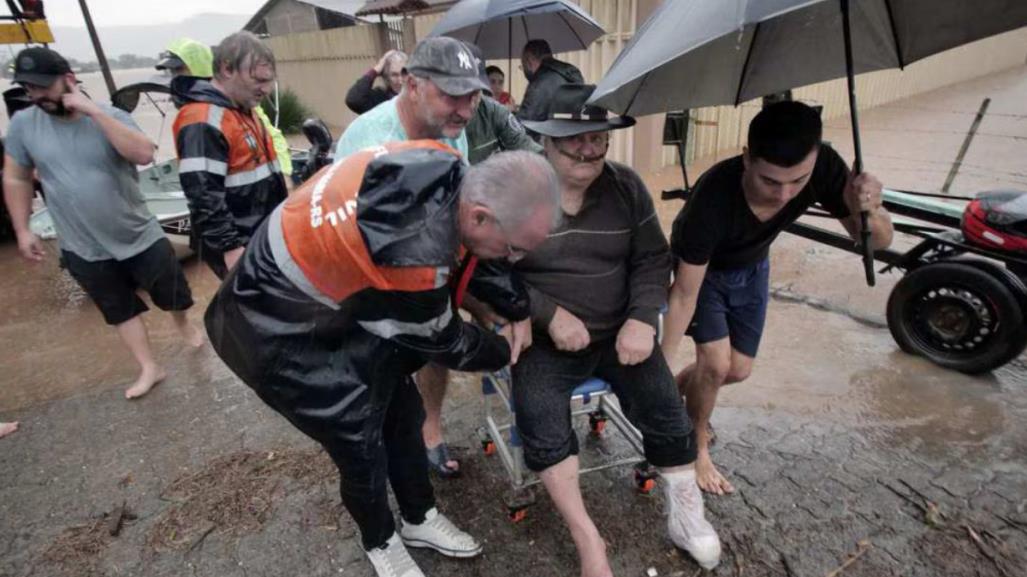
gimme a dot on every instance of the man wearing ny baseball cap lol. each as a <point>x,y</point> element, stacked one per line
<point>441,89</point>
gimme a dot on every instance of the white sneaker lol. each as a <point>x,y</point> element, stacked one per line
<point>686,519</point>
<point>393,560</point>
<point>439,533</point>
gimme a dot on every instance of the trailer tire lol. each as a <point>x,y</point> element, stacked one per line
<point>958,316</point>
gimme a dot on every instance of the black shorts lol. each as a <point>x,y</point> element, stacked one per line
<point>112,284</point>
<point>733,303</point>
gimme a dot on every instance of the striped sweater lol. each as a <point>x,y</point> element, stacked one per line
<point>606,264</point>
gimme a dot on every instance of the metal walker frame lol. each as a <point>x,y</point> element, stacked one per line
<point>594,398</point>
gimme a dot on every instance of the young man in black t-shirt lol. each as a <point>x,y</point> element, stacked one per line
<point>721,240</point>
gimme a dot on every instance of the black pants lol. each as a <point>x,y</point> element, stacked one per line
<point>544,378</point>
<point>386,446</point>
<point>337,383</point>
<point>215,260</point>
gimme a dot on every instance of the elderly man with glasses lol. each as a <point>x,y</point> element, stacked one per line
<point>597,285</point>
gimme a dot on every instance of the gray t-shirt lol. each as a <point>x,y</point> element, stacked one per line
<point>91,190</point>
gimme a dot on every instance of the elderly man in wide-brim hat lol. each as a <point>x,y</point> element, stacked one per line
<point>597,285</point>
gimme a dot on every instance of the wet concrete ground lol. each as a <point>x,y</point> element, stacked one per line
<point>839,443</point>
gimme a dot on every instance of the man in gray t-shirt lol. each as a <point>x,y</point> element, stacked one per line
<point>85,156</point>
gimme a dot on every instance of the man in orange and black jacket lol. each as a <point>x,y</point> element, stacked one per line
<point>351,285</point>
<point>226,157</point>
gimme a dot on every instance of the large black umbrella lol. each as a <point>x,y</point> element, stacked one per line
<point>501,28</point>
<point>694,53</point>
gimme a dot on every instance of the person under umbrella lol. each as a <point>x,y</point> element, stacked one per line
<point>611,235</point>
<point>721,240</point>
<point>545,74</point>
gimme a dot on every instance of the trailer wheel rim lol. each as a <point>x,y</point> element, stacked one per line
<point>953,319</point>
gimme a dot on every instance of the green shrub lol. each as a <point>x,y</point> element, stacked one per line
<point>292,111</point>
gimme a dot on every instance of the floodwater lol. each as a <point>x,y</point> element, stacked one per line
<point>833,421</point>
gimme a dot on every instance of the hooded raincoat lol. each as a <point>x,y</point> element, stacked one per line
<point>342,294</point>
<point>228,168</point>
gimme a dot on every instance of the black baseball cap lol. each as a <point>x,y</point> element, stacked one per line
<point>39,66</point>
<point>447,62</point>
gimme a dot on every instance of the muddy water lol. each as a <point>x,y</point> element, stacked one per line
<point>55,342</point>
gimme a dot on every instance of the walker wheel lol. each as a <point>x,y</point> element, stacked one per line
<point>646,486</point>
<point>596,423</point>
<point>518,515</point>
<point>645,478</point>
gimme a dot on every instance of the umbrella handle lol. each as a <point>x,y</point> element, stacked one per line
<point>868,251</point>
<point>857,165</point>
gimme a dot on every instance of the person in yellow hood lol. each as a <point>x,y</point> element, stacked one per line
<point>187,57</point>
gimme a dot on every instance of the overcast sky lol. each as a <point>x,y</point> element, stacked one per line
<point>129,12</point>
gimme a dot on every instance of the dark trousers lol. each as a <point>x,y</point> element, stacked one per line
<point>344,388</point>
<point>216,261</point>
<point>386,446</point>
<point>544,378</point>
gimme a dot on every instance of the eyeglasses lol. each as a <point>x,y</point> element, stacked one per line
<point>513,253</point>
<point>596,139</point>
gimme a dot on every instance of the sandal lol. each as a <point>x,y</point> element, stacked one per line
<point>438,456</point>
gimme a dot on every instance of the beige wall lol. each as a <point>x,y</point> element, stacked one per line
<point>320,67</point>
<point>724,127</point>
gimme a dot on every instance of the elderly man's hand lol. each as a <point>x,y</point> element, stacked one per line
<point>635,342</point>
<point>567,331</point>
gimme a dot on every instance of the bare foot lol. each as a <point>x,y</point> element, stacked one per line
<point>192,336</point>
<point>709,478</point>
<point>146,381</point>
<point>8,428</point>
<point>593,559</point>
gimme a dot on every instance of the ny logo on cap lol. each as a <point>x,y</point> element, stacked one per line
<point>465,60</point>
<point>27,63</point>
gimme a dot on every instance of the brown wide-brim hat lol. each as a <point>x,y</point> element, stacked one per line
<point>570,116</point>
